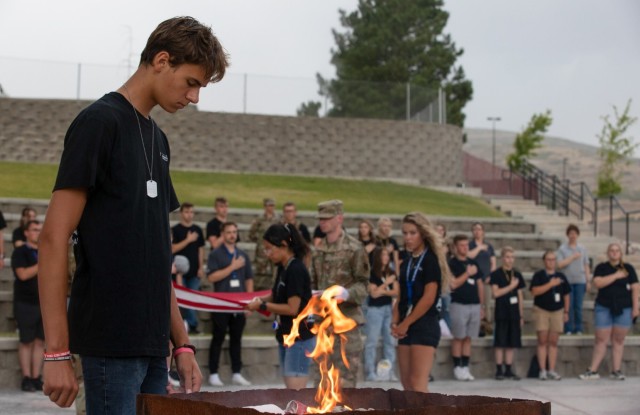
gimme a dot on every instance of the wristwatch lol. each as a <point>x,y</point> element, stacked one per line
<point>263,306</point>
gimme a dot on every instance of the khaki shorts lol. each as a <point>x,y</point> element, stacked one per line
<point>548,320</point>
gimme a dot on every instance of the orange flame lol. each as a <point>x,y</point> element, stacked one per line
<point>325,308</point>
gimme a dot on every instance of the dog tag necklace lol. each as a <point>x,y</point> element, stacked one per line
<point>152,186</point>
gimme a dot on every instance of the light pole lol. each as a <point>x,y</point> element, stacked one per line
<point>493,135</point>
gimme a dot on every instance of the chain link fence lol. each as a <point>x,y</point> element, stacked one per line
<point>237,93</point>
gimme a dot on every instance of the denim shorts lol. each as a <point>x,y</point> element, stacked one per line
<point>604,319</point>
<point>293,360</point>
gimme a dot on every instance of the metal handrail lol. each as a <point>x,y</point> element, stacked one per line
<point>559,195</point>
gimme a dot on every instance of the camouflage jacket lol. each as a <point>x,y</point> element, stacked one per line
<point>259,226</point>
<point>344,263</point>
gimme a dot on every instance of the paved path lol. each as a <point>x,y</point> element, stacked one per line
<point>569,396</point>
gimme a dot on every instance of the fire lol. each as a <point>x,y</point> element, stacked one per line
<point>328,321</point>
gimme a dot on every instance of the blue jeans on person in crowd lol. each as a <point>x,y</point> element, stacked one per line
<point>444,312</point>
<point>576,297</point>
<point>111,384</point>
<point>190,315</point>
<point>378,324</point>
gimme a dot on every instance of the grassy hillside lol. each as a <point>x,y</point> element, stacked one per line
<point>25,180</point>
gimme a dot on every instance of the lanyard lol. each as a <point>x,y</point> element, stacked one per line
<point>415,273</point>
<point>234,274</point>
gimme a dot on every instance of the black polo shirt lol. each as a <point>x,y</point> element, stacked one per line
<point>121,295</point>
<point>467,293</point>
<point>549,300</point>
<point>507,308</point>
<point>220,258</point>
<point>191,251</point>
<point>25,291</point>
<point>618,294</point>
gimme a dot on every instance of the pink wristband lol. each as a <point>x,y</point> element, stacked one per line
<point>181,350</point>
<point>55,355</point>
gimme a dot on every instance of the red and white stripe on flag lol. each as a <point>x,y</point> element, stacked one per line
<point>215,302</point>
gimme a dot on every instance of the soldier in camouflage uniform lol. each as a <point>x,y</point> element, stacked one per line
<point>340,259</point>
<point>264,270</point>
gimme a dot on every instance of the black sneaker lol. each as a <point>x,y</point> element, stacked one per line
<point>27,385</point>
<point>511,376</point>
<point>38,383</point>
<point>194,331</point>
<point>499,376</point>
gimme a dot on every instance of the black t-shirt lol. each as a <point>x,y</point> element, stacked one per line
<point>418,275</point>
<point>220,258</point>
<point>388,241</point>
<point>3,223</point>
<point>467,293</point>
<point>121,295</point>
<point>507,306</point>
<point>553,299</point>
<point>291,282</point>
<point>304,232</point>
<point>317,233</point>
<point>382,300</point>
<point>616,295</point>
<point>179,234</point>
<point>25,291</point>
<point>214,228</point>
<point>18,235</point>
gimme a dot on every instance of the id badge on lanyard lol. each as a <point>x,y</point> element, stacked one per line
<point>411,280</point>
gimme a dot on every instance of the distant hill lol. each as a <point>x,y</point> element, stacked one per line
<point>582,159</point>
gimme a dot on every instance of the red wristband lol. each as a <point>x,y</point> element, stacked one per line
<point>181,350</point>
<point>55,355</point>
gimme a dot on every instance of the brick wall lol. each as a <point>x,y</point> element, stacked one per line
<point>430,154</point>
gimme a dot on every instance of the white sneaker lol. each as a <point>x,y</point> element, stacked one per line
<point>542,375</point>
<point>553,375</point>
<point>458,373</point>
<point>467,374</point>
<point>237,379</point>
<point>214,380</point>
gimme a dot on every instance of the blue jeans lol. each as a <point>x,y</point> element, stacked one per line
<point>576,296</point>
<point>378,324</point>
<point>444,313</point>
<point>190,315</point>
<point>111,384</point>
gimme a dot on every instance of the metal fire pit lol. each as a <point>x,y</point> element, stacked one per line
<point>382,401</point>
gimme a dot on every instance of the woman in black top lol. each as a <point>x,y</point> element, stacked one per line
<point>383,288</point>
<point>616,306</point>
<point>290,294</point>
<point>415,314</point>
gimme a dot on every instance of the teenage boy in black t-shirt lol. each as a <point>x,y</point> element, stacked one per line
<point>187,240</point>
<point>221,206</point>
<point>26,307</point>
<point>506,285</point>
<point>114,188</point>
<point>466,309</point>
<point>550,290</point>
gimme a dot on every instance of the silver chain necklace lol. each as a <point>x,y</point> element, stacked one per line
<point>152,186</point>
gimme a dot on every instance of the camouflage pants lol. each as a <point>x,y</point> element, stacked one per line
<point>262,282</point>
<point>353,349</point>
<point>77,370</point>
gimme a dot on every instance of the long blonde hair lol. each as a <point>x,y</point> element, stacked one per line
<point>433,241</point>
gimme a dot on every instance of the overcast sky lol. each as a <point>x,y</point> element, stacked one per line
<point>574,57</point>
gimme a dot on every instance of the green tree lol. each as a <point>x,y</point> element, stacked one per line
<point>615,151</point>
<point>529,140</point>
<point>387,44</point>
<point>309,109</point>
